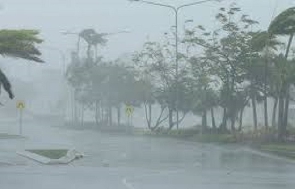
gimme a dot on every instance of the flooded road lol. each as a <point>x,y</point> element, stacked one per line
<point>133,162</point>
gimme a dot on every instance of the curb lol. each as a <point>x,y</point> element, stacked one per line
<point>71,156</point>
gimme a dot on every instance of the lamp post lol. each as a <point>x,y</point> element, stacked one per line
<point>62,56</point>
<point>63,61</point>
<point>176,11</point>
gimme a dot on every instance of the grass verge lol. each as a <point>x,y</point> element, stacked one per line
<point>52,154</point>
<point>281,149</point>
<point>190,134</point>
<point>215,138</point>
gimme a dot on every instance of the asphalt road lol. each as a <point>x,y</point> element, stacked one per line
<point>129,162</point>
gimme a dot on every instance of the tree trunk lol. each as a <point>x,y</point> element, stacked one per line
<point>96,113</point>
<point>254,113</point>
<point>286,110</point>
<point>274,112</point>
<point>119,114</point>
<point>75,108</point>
<point>289,46</point>
<point>287,92</point>
<point>280,117</point>
<point>170,118</point>
<point>223,126</point>
<point>265,112</point>
<point>241,119</point>
<point>88,51</point>
<point>110,116</point>
<point>232,125</point>
<point>213,119</point>
<point>82,115</point>
<point>96,55</point>
<point>150,114</point>
<point>102,114</point>
<point>204,121</point>
<point>265,93</point>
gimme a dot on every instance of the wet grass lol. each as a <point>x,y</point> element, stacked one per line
<point>190,134</point>
<point>181,133</point>
<point>281,149</point>
<point>52,154</point>
<point>215,138</point>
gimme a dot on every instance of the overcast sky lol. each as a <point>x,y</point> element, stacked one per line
<point>144,21</point>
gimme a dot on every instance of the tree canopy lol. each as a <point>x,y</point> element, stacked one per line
<point>18,44</point>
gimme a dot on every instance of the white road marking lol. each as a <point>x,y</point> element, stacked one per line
<point>128,185</point>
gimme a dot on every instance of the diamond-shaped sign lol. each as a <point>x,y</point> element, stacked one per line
<point>129,110</point>
<point>20,105</point>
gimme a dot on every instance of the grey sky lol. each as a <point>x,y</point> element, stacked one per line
<point>53,16</point>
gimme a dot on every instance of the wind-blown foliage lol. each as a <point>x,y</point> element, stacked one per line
<point>18,44</point>
<point>229,68</point>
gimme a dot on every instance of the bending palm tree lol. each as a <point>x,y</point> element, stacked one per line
<point>18,44</point>
<point>284,24</point>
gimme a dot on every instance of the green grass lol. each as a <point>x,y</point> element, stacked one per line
<point>167,132</point>
<point>279,147</point>
<point>191,134</point>
<point>52,154</point>
<point>215,138</point>
<point>287,150</point>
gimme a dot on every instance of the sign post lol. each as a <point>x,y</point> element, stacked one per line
<point>20,106</point>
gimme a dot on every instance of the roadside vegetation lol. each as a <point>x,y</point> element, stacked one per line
<point>18,44</point>
<point>234,66</point>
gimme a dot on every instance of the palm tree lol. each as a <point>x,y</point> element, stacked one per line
<point>18,44</point>
<point>92,38</point>
<point>284,24</point>
<point>262,42</point>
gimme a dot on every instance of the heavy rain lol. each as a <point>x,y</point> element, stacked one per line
<point>138,94</point>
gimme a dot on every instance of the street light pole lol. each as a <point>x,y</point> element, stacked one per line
<point>176,68</point>
<point>62,55</point>
<point>63,59</point>
<point>176,11</point>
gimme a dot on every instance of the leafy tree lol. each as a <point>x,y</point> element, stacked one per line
<point>266,45</point>
<point>18,44</point>
<point>93,39</point>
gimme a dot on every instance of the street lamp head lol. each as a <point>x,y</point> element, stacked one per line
<point>190,20</point>
<point>64,32</point>
<point>127,30</point>
<point>68,33</point>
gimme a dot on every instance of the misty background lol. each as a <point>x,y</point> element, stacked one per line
<point>42,86</point>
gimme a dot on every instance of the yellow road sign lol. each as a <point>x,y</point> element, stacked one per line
<point>20,105</point>
<point>129,110</point>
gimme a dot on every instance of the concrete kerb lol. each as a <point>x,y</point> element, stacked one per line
<point>72,154</point>
<point>10,136</point>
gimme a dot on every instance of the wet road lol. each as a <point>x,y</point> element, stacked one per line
<point>129,162</point>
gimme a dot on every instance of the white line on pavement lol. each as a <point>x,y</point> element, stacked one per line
<point>128,185</point>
